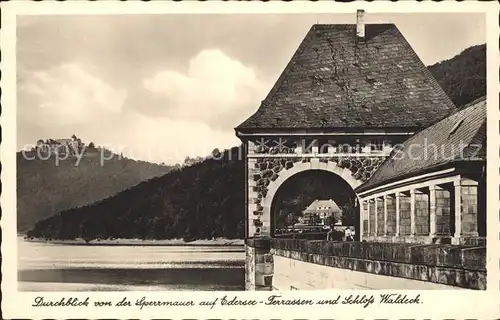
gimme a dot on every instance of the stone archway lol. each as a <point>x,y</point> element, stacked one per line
<point>265,188</point>
<point>329,166</point>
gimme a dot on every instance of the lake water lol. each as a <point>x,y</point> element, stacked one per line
<point>57,267</point>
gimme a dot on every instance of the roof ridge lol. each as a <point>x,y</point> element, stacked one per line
<point>421,131</point>
<point>474,133</point>
<point>478,132</point>
<point>331,78</point>
<point>317,201</point>
<point>279,82</point>
<point>426,71</point>
<point>473,102</point>
<point>293,61</point>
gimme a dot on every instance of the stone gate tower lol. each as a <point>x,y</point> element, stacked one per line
<point>348,96</point>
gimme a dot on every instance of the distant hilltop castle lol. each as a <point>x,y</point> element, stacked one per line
<point>61,146</point>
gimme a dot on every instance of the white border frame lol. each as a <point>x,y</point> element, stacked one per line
<point>435,304</point>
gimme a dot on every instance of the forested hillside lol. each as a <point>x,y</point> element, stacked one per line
<point>203,200</point>
<point>463,77</point>
<point>45,187</point>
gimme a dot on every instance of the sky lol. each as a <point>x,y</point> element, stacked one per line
<point>162,87</point>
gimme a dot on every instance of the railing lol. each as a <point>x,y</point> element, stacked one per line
<point>303,236</point>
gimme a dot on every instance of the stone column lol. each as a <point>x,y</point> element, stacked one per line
<point>372,221</point>
<point>376,218</point>
<point>365,226</point>
<point>443,212</point>
<point>398,212</point>
<point>368,216</point>
<point>412,212</point>
<point>404,215</point>
<point>390,215</point>
<point>380,216</point>
<point>362,214</point>
<point>466,209</point>
<point>469,208</point>
<point>439,212</point>
<point>432,210</point>
<point>458,212</point>
<point>385,201</point>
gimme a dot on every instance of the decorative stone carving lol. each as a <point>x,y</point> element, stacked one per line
<point>274,146</point>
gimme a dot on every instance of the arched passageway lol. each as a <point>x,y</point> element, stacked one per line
<point>269,176</point>
<point>314,199</point>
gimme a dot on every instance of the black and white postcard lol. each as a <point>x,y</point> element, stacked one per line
<point>264,159</point>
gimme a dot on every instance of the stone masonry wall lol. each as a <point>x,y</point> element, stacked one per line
<point>262,171</point>
<point>258,264</point>
<point>294,274</point>
<point>458,266</point>
<point>249,268</point>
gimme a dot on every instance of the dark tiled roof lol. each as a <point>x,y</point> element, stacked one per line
<point>456,138</point>
<point>332,82</point>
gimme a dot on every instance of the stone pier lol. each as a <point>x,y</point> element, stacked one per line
<point>259,264</point>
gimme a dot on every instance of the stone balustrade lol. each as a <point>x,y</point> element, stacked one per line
<point>440,264</point>
<point>461,266</point>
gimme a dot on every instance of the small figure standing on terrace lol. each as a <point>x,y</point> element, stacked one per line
<point>353,233</point>
<point>329,235</point>
<point>348,234</point>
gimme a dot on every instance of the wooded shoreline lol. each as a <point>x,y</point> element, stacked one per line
<point>220,242</point>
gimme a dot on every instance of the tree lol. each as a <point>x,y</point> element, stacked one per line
<point>281,219</point>
<point>91,145</point>
<point>188,161</point>
<point>463,77</point>
<point>291,219</point>
<point>216,153</point>
<point>197,202</point>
